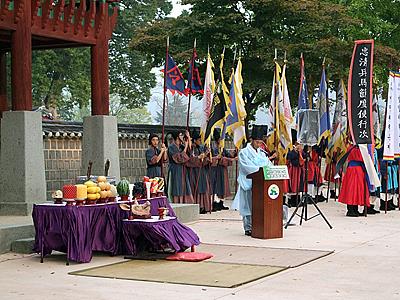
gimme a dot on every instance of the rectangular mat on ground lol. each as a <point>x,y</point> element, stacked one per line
<point>263,256</point>
<point>201,273</point>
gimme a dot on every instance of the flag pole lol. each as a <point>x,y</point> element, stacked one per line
<point>234,57</point>
<point>276,120</point>
<point>165,90</point>
<point>301,73</point>
<point>322,142</point>
<point>164,103</point>
<point>190,84</point>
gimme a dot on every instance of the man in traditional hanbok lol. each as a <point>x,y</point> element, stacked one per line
<point>155,156</point>
<point>221,160</point>
<point>179,190</point>
<point>199,174</point>
<point>251,159</point>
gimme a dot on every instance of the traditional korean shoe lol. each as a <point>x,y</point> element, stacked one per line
<point>352,211</point>
<point>215,207</point>
<point>221,205</point>
<point>382,207</point>
<point>371,211</point>
<point>202,211</point>
<point>352,214</point>
<point>373,208</point>
<point>321,198</point>
<point>361,214</point>
<point>391,204</point>
<point>247,232</point>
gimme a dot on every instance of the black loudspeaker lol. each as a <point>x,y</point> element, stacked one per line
<point>308,120</point>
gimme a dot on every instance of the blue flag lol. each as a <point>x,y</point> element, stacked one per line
<point>324,122</point>
<point>303,93</point>
<point>194,85</point>
<point>174,78</point>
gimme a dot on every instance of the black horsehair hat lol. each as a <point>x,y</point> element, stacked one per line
<point>259,131</point>
<point>294,136</point>
<point>195,135</point>
<point>216,134</point>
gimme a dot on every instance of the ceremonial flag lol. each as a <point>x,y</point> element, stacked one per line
<point>233,120</point>
<point>391,144</point>
<point>174,79</point>
<point>360,93</point>
<point>377,125</point>
<point>303,102</point>
<point>282,138</point>
<point>287,119</point>
<point>237,112</point>
<point>194,85</point>
<point>217,115</point>
<point>324,122</point>
<point>209,88</point>
<point>339,124</point>
<point>287,109</point>
<point>219,109</point>
<point>239,90</point>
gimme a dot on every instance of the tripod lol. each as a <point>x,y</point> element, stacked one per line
<point>305,199</point>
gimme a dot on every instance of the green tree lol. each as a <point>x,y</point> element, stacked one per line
<point>62,76</point>
<point>315,28</point>
<point>130,72</point>
<point>380,20</point>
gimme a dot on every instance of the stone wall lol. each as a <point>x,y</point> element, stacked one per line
<point>62,143</point>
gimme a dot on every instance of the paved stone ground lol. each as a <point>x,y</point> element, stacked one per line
<point>364,265</point>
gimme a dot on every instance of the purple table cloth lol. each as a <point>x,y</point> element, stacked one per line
<point>78,231</point>
<point>169,233</point>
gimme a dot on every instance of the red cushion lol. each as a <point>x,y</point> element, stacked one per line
<point>190,256</point>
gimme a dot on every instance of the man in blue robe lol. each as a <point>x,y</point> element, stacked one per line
<point>251,159</point>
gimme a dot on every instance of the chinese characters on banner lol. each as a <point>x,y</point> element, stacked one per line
<point>392,131</point>
<point>360,93</point>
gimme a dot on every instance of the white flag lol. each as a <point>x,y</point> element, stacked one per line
<point>286,100</point>
<point>209,88</point>
<point>392,139</point>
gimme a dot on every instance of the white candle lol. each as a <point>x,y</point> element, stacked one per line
<point>148,185</point>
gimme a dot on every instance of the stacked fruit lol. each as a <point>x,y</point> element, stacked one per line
<point>113,193</point>
<point>93,192</point>
<point>105,187</point>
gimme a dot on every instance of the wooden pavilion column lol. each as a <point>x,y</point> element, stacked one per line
<point>100,81</point>
<point>3,83</point>
<point>21,57</point>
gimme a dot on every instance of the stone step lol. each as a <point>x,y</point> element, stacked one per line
<point>12,232</point>
<point>186,212</point>
<point>24,246</point>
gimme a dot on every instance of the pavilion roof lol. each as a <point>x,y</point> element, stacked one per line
<point>60,24</point>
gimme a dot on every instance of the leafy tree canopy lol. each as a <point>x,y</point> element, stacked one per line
<point>62,77</point>
<point>316,28</point>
